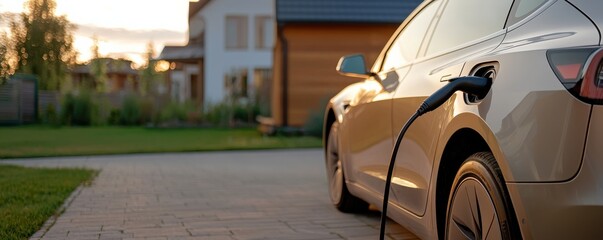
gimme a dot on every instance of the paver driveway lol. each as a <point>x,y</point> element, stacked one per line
<point>220,195</point>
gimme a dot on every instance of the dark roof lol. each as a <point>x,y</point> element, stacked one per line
<point>195,7</point>
<point>344,11</point>
<point>182,53</point>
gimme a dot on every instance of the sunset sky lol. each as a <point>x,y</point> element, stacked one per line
<point>123,27</point>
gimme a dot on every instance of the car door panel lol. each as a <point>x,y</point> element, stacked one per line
<point>414,162</point>
<point>368,139</point>
<point>368,125</point>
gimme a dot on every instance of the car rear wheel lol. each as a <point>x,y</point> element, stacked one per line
<point>478,207</point>
<point>338,191</point>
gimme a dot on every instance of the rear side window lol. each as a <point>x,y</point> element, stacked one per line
<point>523,8</point>
<point>463,21</point>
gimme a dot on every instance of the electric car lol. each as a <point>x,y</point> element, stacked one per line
<point>523,161</point>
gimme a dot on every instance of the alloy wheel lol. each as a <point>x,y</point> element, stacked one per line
<point>334,170</point>
<point>472,213</point>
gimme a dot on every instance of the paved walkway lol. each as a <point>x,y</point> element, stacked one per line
<point>223,195</point>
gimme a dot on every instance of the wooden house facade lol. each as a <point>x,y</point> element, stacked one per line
<point>311,37</point>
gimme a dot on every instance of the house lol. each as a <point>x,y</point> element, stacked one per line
<point>311,37</point>
<point>185,74</point>
<point>120,75</point>
<point>229,54</point>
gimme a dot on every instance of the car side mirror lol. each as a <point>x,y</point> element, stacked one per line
<point>353,66</point>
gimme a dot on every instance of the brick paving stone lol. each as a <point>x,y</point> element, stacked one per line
<point>208,196</point>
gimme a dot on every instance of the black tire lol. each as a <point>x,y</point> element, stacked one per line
<point>478,205</point>
<point>338,191</point>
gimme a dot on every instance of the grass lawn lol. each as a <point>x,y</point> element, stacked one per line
<point>41,141</point>
<point>29,196</point>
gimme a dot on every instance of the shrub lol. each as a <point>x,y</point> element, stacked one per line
<point>232,113</point>
<point>102,110</point>
<point>246,112</point>
<point>218,114</point>
<point>114,117</point>
<point>147,110</point>
<point>130,111</point>
<point>50,116</point>
<point>78,109</point>
<point>314,123</point>
<point>173,112</point>
<point>68,103</point>
<point>82,109</point>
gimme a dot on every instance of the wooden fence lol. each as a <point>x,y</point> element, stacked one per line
<point>21,102</point>
<point>18,100</point>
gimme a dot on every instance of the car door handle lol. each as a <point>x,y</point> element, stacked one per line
<point>446,78</point>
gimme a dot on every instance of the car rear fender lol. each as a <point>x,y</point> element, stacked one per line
<point>471,121</point>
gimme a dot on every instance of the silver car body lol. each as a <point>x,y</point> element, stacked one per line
<point>543,138</point>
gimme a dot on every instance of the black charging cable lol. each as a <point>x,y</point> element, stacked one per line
<point>478,86</point>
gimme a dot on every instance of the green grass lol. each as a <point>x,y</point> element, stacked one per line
<point>29,196</point>
<point>42,141</point>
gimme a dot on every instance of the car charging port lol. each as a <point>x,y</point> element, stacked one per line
<point>486,72</point>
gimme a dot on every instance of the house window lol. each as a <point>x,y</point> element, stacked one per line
<point>236,32</point>
<point>235,83</point>
<point>264,32</point>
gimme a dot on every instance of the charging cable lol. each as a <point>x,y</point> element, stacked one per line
<point>478,86</point>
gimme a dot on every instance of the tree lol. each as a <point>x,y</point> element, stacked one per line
<point>43,43</point>
<point>149,76</point>
<point>5,68</point>
<point>98,67</point>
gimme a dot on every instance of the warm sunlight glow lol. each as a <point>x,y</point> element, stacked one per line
<point>124,28</point>
<point>395,179</point>
<point>130,14</point>
<point>162,66</point>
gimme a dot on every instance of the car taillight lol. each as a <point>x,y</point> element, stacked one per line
<point>580,71</point>
<point>592,83</point>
